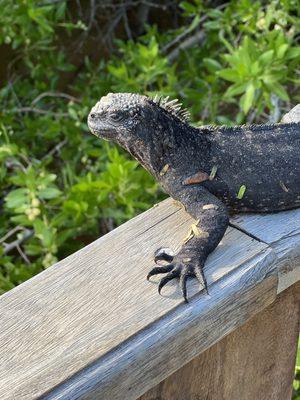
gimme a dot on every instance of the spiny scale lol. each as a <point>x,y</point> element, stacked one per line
<point>172,106</point>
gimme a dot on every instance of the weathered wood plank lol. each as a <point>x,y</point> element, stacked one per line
<point>174,340</point>
<point>96,308</point>
<point>256,361</point>
<point>281,231</point>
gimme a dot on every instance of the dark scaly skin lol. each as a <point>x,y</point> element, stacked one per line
<point>204,169</point>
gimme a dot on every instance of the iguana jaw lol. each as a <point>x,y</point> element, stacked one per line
<point>104,132</point>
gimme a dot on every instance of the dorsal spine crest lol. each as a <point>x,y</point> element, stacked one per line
<point>172,106</point>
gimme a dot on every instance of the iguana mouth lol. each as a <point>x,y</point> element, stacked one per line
<point>102,133</point>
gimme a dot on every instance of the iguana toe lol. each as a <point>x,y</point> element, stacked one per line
<point>160,270</point>
<point>178,269</point>
<point>163,254</point>
<point>175,273</point>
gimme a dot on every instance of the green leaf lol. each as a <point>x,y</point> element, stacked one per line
<point>5,151</point>
<point>293,52</point>
<point>282,50</point>
<point>49,193</point>
<point>241,192</point>
<point>60,10</point>
<point>188,7</point>
<point>237,88</point>
<point>73,113</point>
<point>194,23</point>
<point>16,198</point>
<point>213,172</point>
<point>247,99</point>
<point>266,57</point>
<point>20,219</point>
<point>228,74</point>
<point>39,227</point>
<point>43,232</point>
<point>212,25</point>
<point>280,91</point>
<point>212,65</point>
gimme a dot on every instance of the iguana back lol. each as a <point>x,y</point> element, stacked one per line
<point>264,159</point>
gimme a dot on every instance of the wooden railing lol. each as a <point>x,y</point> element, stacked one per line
<point>92,327</point>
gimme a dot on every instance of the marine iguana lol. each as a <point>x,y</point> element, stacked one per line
<point>212,171</point>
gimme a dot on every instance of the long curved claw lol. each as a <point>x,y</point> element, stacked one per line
<point>182,284</point>
<point>201,278</point>
<point>160,270</point>
<point>162,255</point>
<point>171,275</point>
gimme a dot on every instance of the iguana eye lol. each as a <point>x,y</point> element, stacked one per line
<point>116,116</point>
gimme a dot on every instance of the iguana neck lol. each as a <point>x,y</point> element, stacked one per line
<point>168,142</point>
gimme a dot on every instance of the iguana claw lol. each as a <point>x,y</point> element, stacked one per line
<point>163,254</point>
<point>178,269</point>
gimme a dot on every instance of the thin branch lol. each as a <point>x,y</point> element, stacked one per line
<point>126,25</point>
<point>113,24</point>
<point>251,117</point>
<point>12,232</point>
<point>28,233</point>
<point>54,94</point>
<point>142,17</point>
<point>155,5</point>
<point>15,163</point>
<point>37,111</point>
<point>79,8</point>
<point>11,86</point>
<point>92,15</point>
<point>276,113</point>
<point>187,32</point>
<point>48,3</point>
<point>182,35</point>
<point>189,42</point>
<point>114,6</point>
<point>55,149</point>
<point>22,254</point>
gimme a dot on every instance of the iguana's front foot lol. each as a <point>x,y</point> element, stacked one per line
<point>211,221</point>
<point>178,266</point>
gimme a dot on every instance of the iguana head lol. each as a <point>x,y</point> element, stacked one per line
<point>117,115</point>
<point>141,125</point>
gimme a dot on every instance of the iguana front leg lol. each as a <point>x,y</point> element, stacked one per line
<point>211,222</point>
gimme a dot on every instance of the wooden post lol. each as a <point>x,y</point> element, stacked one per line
<point>255,362</point>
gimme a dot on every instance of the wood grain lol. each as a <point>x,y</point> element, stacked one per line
<point>281,231</point>
<point>92,327</point>
<point>255,361</point>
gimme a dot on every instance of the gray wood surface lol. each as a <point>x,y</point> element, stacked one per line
<point>281,231</point>
<point>92,327</point>
<point>255,362</point>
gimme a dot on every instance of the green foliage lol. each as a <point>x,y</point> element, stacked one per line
<point>143,68</point>
<point>251,46</point>
<point>296,385</point>
<point>61,187</point>
<point>257,73</point>
<point>25,23</point>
